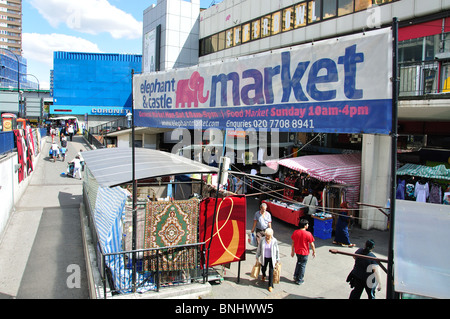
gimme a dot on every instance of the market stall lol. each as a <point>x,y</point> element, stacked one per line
<point>161,220</point>
<point>288,212</point>
<point>423,183</point>
<point>341,174</point>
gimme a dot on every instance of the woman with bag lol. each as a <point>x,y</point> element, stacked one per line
<point>269,255</point>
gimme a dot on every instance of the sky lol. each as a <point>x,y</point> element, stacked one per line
<point>96,26</point>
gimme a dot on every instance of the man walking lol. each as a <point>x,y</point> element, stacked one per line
<point>302,241</point>
<point>261,221</point>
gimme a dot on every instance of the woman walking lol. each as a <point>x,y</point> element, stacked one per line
<point>341,233</point>
<point>269,255</point>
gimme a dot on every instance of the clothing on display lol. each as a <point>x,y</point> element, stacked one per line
<point>421,191</point>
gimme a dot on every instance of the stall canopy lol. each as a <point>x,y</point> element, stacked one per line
<point>338,168</point>
<point>438,172</point>
<point>113,166</point>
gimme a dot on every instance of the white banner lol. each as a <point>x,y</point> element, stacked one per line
<point>336,85</point>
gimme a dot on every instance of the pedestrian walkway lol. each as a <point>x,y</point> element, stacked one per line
<point>325,274</point>
<point>41,250</point>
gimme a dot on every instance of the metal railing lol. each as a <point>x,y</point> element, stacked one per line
<point>419,78</point>
<point>151,269</point>
<point>145,270</point>
<point>93,140</point>
<point>110,127</point>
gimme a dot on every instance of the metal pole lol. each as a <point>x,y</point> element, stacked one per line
<point>215,204</point>
<point>133,165</point>
<point>390,292</point>
<point>18,77</point>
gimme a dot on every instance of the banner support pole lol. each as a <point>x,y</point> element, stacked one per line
<point>390,291</point>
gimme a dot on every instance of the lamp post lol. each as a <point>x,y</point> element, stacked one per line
<point>18,75</point>
<point>40,104</point>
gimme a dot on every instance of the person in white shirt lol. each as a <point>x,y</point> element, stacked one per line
<point>55,151</point>
<point>76,166</point>
<point>70,131</point>
<point>311,203</point>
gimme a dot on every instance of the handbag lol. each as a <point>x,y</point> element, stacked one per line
<point>277,273</point>
<point>252,240</point>
<point>306,209</point>
<point>255,270</point>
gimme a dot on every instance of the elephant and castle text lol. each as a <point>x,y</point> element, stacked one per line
<point>311,87</point>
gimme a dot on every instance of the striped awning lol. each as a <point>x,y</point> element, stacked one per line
<point>437,172</point>
<point>337,168</point>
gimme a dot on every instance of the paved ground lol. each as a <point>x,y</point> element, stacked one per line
<point>325,275</point>
<point>41,252</point>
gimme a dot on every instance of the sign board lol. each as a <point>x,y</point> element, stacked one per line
<point>421,254</point>
<point>339,85</point>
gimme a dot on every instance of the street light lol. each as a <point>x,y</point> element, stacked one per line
<point>36,80</point>
<point>18,75</point>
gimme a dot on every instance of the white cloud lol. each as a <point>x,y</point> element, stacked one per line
<point>38,50</point>
<point>40,47</point>
<point>90,16</point>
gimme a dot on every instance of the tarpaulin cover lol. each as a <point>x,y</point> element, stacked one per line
<point>108,215</point>
<point>438,172</point>
<point>113,166</point>
<point>338,168</point>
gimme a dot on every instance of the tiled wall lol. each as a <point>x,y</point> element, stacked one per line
<point>179,31</point>
<point>232,12</point>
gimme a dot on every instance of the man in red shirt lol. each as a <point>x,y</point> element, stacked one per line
<point>302,240</point>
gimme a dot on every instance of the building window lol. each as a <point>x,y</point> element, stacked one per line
<point>410,50</point>
<point>445,77</point>
<point>237,36</point>
<point>256,29</point>
<point>265,26</point>
<point>314,11</point>
<point>246,29</point>
<point>292,17</point>
<point>276,22</point>
<point>214,43</point>
<point>221,41</point>
<point>288,19</point>
<point>345,7</point>
<point>329,9</point>
<point>362,4</point>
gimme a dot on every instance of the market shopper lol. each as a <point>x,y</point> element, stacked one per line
<point>71,131</point>
<point>55,151</point>
<point>261,221</point>
<point>311,202</point>
<point>302,242</point>
<point>365,273</point>
<point>76,166</point>
<point>342,236</point>
<point>268,254</point>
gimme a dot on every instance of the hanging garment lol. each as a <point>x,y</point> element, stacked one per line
<point>410,192</point>
<point>400,194</point>
<point>435,194</point>
<point>422,192</point>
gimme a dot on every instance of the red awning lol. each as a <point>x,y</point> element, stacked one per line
<point>424,29</point>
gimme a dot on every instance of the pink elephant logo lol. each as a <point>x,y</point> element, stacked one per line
<point>190,92</point>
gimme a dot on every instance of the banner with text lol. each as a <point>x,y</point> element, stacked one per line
<point>339,85</point>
